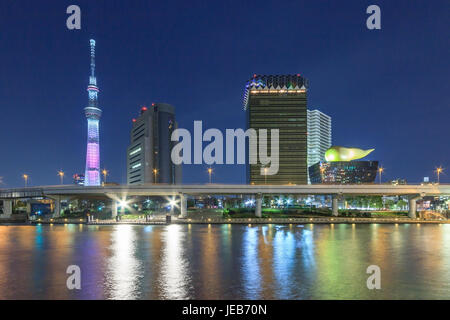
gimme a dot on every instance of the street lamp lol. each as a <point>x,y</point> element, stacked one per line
<point>265,175</point>
<point>439,171</point>
<point>210,172</point>
<point>61,176</point>
<point>380,171</point>
<point>105,173</point>
<point>25,177</point>
<point>155,172</point>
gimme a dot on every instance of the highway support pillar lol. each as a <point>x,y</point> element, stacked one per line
<point>413,206</point>
<point>29,208</point>
<point>113,209</point>
<point>56,206</point>
<point>183,206</point>
<point>335,205</point>
<point>7,209</point>
<point>258,209</point>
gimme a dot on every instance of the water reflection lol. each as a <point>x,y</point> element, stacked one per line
<point>175,280</point>
<point>250,264</point>
<point>124,272</point>
<point>225,261</point>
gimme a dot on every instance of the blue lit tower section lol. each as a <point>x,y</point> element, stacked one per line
<point>93,114</point>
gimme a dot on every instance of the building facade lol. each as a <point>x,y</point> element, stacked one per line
<point>343,172</point>
<point>319,136</point>
<point>279,102</point>
<point>78,179</point>
<point>149,153</point>
<point>93,114</point>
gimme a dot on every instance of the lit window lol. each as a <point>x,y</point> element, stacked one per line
<point>135,151</point>
<point>136,166</point>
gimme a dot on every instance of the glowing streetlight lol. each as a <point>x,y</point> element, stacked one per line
<point>210,172</point>
<point>439,170</point>
<point>123,204</point>
<point>172,204</point>
<point>380,171</point>
<point>61,176</point>
<point>155,172</point>
<point>25,177</point>
<point>265,175</point>
<point>105,173</point>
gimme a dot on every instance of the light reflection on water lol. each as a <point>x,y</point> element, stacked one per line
<point>174,280</point>
<point>124,269</point>
<point>225,261</point>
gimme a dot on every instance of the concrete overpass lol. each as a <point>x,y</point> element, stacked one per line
<point>115,193</point>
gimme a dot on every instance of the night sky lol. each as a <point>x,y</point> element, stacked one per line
<point>386,89</point>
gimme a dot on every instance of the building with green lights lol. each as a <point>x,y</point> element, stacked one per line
<point>279,102</point>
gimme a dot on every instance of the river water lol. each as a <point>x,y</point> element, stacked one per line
<point>225,261</point>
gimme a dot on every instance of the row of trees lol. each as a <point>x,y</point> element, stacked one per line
<point>376,202</point>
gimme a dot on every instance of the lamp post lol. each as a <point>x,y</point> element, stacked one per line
<point>105,173</point>
<point>265,175</point>
<point>380,171</point>
<point>209,172</point>
<point>61,176</point>
<point>438,172</point>
<point>155,172</point>
<point>25,177</point>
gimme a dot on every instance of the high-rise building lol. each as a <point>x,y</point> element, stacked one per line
<point>279,102</point>
<point>93,114</point>
<point>319,136</point>
<point>149,154</point>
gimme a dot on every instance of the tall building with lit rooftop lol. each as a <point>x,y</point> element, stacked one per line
<point>149,153</point>
<point>279,102</point>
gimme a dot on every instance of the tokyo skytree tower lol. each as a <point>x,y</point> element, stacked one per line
<point>93,114</point>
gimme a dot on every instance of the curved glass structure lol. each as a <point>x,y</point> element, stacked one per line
<point>336,153</point>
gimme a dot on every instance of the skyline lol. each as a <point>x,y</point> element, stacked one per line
<point>131,77</point>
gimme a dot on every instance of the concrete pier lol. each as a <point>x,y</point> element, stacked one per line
<point>413,206</point>
<point>183,206</point>
<point>57,206</point>
<point>7,209</point>
<point>113,208</point>
<point>258,208</point>
<point>335,205</point>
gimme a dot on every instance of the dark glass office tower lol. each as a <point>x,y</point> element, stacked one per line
<point>279,102</point>
<point>148,156</point>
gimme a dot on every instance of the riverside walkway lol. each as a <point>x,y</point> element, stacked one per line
<point>250,221</point>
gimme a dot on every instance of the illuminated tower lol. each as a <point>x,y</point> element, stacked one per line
<point>93,114</point>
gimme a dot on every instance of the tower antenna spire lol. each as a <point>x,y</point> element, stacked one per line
<point>92,42</point>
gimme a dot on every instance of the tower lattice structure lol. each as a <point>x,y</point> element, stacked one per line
<point>93,114</point>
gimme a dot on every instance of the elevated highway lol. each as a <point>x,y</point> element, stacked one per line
<point>57,193</point>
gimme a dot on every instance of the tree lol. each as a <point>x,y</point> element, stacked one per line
<point>401,204</point>
<point>389,203</point>
<point>377,202</point>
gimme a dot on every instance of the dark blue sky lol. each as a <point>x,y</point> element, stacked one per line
<point>386,89</point>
